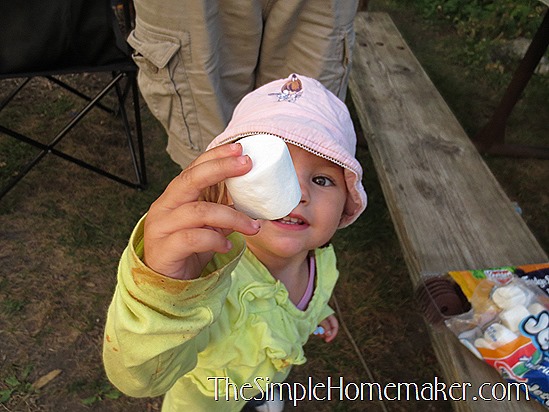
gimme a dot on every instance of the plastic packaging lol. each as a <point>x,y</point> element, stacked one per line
<point>506,323</point>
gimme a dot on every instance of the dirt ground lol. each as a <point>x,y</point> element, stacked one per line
<point>62,230</point>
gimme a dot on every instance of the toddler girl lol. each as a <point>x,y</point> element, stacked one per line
<point>213,307</point>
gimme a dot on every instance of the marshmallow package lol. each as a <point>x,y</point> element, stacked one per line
<point>270,190</point>
<point>507,326</point>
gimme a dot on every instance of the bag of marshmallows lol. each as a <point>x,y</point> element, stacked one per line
<point>506,322</point>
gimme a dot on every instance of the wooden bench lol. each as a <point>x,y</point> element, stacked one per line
<point>449,211</point>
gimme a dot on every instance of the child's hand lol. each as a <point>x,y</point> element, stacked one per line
<point>328,329</point>
<point>181,232</point>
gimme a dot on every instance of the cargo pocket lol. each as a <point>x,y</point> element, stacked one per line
<point>163,81</point>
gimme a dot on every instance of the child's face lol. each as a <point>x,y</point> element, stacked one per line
<point>315,219</point>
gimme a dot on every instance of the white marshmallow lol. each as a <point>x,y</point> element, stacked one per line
<point>509,296</point>
<point>483,343</point>
<point>512,317</point>
<point>498,335</point>
<point>271,189</point>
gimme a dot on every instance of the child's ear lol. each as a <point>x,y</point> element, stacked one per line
<point>344,217</point>
<point>348,211</point>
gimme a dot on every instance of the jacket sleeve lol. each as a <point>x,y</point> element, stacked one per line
<point>156,325</point>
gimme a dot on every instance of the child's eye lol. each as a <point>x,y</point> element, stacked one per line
<point>323,181</point>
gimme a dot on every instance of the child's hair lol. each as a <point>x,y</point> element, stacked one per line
<point>215,194</point>
<point>304,113</point>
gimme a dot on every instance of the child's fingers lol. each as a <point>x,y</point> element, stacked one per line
<point>179,245</point>
<point>203,214</point>
<point>211,168</point>
<point>328,328</point>
<point>199,240</point>
<point>232,149</point>
<point>332,328</point>
<point>183,254</point>
<point>177,241</point>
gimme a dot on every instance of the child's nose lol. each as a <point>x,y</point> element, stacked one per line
<point>305,195</point>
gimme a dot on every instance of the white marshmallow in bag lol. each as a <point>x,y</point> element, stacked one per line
<point>271,189</point>
<point>513,317</point>
<point>509,296</point>
<point>498,335</point>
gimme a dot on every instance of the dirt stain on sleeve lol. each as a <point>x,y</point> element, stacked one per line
<point>144,276</point>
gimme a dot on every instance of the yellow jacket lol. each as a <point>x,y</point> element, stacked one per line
<point>188,339</point>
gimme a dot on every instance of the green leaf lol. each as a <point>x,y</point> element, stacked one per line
<point>91,400</point>
<point>5,395</point>
<point>113,394</point>
<point>26,372</point>
<point>12,381</point>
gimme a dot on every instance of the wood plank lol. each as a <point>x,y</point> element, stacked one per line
<point>449,211</point>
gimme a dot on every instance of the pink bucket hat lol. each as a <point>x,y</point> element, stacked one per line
<point>302,112</point>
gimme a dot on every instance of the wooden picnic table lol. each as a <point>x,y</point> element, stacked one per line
<point>449,211</point>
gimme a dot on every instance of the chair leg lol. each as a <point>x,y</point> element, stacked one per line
<point>138,128</point>
<point>13,93</point>
<point>27,168</point>
<point>138,158</point>
<point>78,93</point>
<point>137,153</point>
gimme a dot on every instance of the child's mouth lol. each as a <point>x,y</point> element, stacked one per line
<point>288,220</point>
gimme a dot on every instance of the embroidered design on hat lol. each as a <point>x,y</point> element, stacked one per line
<point>290,91</point>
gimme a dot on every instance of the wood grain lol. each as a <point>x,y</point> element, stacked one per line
<point>449,211</point>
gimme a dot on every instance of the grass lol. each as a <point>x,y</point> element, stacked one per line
<point>472,91</point>
<point>62,230</point>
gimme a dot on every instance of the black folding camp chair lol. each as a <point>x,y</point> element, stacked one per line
<point>55,39</point>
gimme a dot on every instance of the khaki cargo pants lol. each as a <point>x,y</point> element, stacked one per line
<point>198,58</point>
